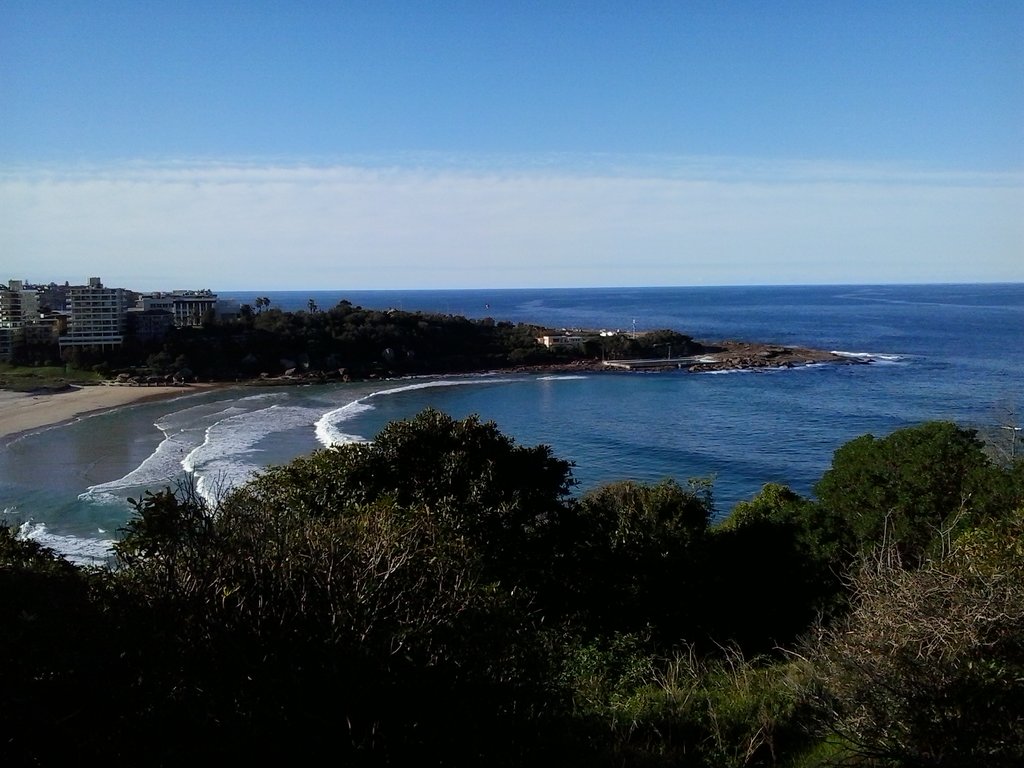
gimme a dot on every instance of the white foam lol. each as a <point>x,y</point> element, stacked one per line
<point>564,377</point>
<point>871,357</point>
<point>181,437</point>
<point>327,432</point>
<point>157,468</point>
<point>765,369</point>
<point>724,371</point>
<point>77,549</point>
<point>218,463</point>
<point>326,426</point>
<point>438,383</point>
<point>216,442</point>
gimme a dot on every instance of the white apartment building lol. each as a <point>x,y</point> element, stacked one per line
<point>96,315</point>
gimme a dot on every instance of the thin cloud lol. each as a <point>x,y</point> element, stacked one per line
<point>556,221</point>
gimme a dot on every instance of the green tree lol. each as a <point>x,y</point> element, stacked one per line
<point>911,488</point>
<point>67,664</point>
<point>779,564</point>
<point>635,554</point>
<point>505,498</point>
<point>363,584</point>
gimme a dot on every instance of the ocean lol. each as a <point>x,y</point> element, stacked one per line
<point>952,352</point>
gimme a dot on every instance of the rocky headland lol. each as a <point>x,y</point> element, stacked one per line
<point>706,357</point>
<point>740,355</point>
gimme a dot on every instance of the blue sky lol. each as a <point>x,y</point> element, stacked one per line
<point>483,144</point>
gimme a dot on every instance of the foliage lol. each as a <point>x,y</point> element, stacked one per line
<point>63,681</point>
<point>347,341</point>
<point>28,378</point>
<point>360,342</point>
<point>393,575</point>
<point>651,344</point>
<point>504,499</point>
<point>779,560</point>
<point>910,488</point>
<point>690,709</point>
<point>439,597</point>
<point>929,667</point>
<point>635,555</point>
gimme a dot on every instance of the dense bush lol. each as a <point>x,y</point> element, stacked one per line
<point>928,669</point>
<point>911,488</point>
<point>438,597</point>
<point>352,341</point>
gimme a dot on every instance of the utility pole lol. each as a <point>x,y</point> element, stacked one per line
<point>1013,440</point>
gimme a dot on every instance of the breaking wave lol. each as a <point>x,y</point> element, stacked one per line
<point>328,433</point>
<point>77,549</point>
<point>870,357</point>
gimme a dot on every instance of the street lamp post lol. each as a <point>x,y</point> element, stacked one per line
<point>1013,439</point>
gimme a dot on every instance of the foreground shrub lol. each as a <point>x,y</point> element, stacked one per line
<point>929,668</point>
<point>903,489</point>
<point>377,599</point>
<point>720,712</point>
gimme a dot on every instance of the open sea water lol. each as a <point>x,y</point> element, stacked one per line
<point>951,352</point>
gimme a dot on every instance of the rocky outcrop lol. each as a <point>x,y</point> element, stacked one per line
<point>738,355</point>
<point>711,356</point>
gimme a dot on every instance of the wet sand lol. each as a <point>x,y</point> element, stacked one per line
<point>26,412</point>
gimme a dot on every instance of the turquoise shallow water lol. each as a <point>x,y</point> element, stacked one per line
<point>940,352</point>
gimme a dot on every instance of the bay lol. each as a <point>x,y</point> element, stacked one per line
<point>951,352</point>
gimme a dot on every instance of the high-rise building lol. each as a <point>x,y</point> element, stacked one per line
<point>96,315</point>
<point>19,308</point>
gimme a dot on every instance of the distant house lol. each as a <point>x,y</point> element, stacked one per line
<point>560,340</point>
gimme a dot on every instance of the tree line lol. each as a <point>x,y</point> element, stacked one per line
<point>441,597</point>
<point>347,340</point>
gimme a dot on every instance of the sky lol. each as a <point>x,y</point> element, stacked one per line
<point>361,145</point>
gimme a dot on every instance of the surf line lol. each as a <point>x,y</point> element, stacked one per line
<point>328,433</point>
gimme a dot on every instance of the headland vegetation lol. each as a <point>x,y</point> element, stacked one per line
<point>270,346</point>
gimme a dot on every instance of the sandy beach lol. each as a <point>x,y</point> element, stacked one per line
<point>24,412</point>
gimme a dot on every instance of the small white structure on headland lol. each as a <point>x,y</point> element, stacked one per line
<point>561,340</point>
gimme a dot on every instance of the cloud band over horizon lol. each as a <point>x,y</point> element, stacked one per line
<point>286,226</point>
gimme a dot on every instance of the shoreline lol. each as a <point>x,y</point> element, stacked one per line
<point>26,412</point>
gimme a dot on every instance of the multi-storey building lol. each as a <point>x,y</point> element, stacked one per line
<point>19,309</point>
<point>189,308</point>
<point>52,297</point>
<point>18,304</point>
<point>96,315</point>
